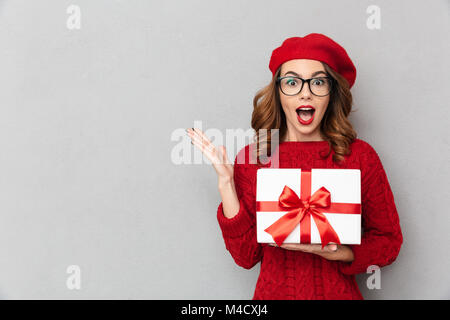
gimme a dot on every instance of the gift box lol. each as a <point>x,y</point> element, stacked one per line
<point>308,206</point>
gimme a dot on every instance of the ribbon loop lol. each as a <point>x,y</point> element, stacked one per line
<point>288,198</point>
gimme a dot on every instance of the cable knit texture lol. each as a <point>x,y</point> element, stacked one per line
<point>289,275</point>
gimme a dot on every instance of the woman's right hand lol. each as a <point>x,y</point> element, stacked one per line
<point>224,169</point>
<point>218,157</point>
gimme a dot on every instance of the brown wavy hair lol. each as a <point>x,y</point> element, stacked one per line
<point>334,127</point>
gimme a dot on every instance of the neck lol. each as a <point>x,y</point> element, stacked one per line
<point>297,136</point>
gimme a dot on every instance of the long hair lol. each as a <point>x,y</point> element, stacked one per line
<point>335,127</point>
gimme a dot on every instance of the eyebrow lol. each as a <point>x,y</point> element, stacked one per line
<point>314,74</point>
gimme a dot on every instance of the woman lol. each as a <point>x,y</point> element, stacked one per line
<point>308,101</point>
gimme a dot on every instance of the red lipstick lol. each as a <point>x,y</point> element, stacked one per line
<point>305,114</point>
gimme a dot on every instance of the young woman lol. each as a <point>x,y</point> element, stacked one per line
<point>308,101</point>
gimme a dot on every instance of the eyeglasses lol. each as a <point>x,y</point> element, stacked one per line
<point>320,86</point>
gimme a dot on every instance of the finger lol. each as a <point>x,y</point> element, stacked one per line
<point>327,248</point>
<point>197,139</point>
<point>294,246</point>
<point>227,160</point>
<point>224,155</point>
<point>219,153</point>
<point>207,152</point>
<point>332,247</point>
<point>307,247</point>
<point>301,246</point>
<point>202,136</point>
<point>210,153</point>
<point>200,133</point>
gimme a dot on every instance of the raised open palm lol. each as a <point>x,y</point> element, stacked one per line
<point>217,156</point>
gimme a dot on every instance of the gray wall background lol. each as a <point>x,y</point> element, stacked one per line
<point>86,118</point>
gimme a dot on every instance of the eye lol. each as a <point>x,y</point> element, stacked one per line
<point>291,82</point>
<point>318,82</point>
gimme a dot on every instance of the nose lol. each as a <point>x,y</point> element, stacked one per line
<point>305,93</point>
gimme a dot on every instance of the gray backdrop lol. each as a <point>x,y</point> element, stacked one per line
<point>87,117</point>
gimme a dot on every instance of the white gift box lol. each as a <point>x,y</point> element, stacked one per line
<point>343,185</point>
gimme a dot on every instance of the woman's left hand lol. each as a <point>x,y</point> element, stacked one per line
<point>329,252</point>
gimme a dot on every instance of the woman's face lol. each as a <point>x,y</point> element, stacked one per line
<point>303,125</point>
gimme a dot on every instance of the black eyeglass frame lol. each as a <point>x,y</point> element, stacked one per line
<point>303,83</point>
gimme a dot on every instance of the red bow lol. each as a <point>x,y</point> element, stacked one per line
<point>299,209</point>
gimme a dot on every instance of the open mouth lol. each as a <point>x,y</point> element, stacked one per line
<point>305,114</point>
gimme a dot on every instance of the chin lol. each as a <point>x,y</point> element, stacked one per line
<point>306,129</point>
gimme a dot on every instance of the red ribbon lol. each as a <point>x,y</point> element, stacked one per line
<point>302,210</point>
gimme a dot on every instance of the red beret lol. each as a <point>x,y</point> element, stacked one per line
<point>315,46</point>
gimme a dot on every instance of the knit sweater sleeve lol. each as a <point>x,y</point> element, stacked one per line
<point>239,232</point>
<point>382,237</point>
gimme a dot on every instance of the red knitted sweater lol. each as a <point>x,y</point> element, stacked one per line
<point>287,274</point>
